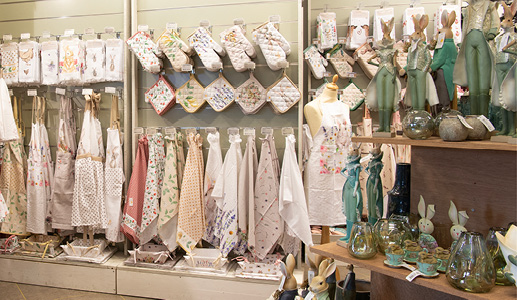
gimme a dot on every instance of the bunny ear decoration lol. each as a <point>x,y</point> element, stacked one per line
<point>391,23</point>
<point>421,205</point>
<point>283,269</point>
<point>323,266</point>
<point>453,214</point>
<point>463,217</point>
<point>513,8</point>
<point>291,262</point>
<point>452,18</point>
<point>329,270</point>
<point>384,26</point>
<point>430,212</point>
<point>416,23</point>
<point>424,21</point>
<point>445,16</point>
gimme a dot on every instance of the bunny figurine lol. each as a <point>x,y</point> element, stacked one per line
<point>459,219</point>
<point>352,196</point>
<point>444,58</point>
<point>289,289</point>
<point>319,286</point>
<point>426,227</point>
<point>420,84</point>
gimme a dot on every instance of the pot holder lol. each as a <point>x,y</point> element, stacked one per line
<point>190,95</point>
<point>95,61</point>
<point>114,60</point>
<point>239,49</point>
<point>250,96</point>
<point>352,96</point>
<point>326,30</point>
<point>341,61</point>
<point>146,51</point>
<point>316,62</point>
<point>49,60</point>
<point>358,28</point>
<point>456,27</point>
<point>384,14</point>
<point>219,94</point>
<point>176,50</point>
<point>206,48</point>
<point>408,27</point>
<point>9,54</point>
<point>161,96</point>
<point>71,61</point>
<point>29,62</point>
<point>283,95</point>
<point>273,45</point>
<point>362,55</point>
<point>401,54</point>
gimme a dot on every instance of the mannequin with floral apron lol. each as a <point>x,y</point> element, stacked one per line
<point>64,176</point>
<point>114,175</point>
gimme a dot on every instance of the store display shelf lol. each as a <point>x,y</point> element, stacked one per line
<point>439,284</point>
<point>437,142</point>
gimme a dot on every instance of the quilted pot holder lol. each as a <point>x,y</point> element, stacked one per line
<point>29,62</point>
<point>239,49</point>
<point>114,60</point>
<point>219,94</point>
<point>95,61</point>
<point>364,53</point>
<point>273,45</point>
<point>358,28</point>
<point>384,14</point>
<point>250,96</point>
<point>177,51</point>
<point>326,30</point>
<point>9,54</point>
<point>190,95</point>
<point>206,48</point>
<point>49,60</point>
<point>71,61</point>
<point>316,62</point>
<point>352,96</point>
<point>283,95</point>
<point>146,51</point>
<point>161,96</point>
<point>341,61</point>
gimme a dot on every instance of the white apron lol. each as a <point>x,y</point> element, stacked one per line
<point>8,131</point>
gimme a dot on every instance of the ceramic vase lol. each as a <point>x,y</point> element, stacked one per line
<point>452,130</point>
<point>478,131</point>
<point>399,196</point>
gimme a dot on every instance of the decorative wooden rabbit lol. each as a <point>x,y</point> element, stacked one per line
<point>420,84</point>
<point>319,286</point>
<point>459,219</point>
<point>426,227</point>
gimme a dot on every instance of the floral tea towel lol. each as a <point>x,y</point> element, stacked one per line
<point>161,96</point>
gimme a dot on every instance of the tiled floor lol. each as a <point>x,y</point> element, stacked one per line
<point>18,291</point>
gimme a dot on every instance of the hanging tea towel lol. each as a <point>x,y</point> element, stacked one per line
<point>177,51</point>
<point>146,51</point>
<point>214,164</point>
<point>358,28</point>
<point>207,49</point>
<point>283,95</point>
<point>114,60</point>
<point>326,30</point>
<point>190,95</point>
<point>219,94</point>
<point>408,27</point>
<point>71,61</point>
<point>341,61</point>
<point>384,14</point>
<point>161,96</point>
<point>239,49</point>
<point>250,96</point>
<point>95,70</point>
<point>8,129</point>
<point>316,61</point>
<point>9,54</point>
<point>273,45</point>
<point>456,27</point>
<point>49,62</point>
<point>29,62</point>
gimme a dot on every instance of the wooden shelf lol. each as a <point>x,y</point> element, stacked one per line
<point>437,142</point>
<point>439,283</point>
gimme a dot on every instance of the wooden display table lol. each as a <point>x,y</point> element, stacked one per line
<point>391,283</point>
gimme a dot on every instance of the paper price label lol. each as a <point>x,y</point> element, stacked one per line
<point>152,130</point>
<point>186,68</point>
<point>204,23</point>
<point>249,131</point>
<point>89,30</point>
<point>25,36</point>
<point>11,92</point>
<point>266,130</point>
<point>464,122</point>
<point>238,21</point>
<point>287,130</point>
<point>315,41</point>
<point>213,130</point>
<point>110,90</point>
<point>45,34</point>
<point>143,27</point>
<point>138,130</point>
<point>130,201</point>
<point>274,19</point>
<point>441,39</point>
<point>327,74</point>
<point>170,130</point>
<point>486,122</point>
<point>233,130</point>
<point>32,93</point>
<point>60,91</point>
<point>341,40</point>
<point>351,75</point>
<point>87,92</point>
<point>69,32</point>
<point>109,29</point>
<point>7,37</point>
<point>172,26</point>
<point>413,275</point>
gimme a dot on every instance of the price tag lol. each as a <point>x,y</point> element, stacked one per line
<point>87,92</point>
<point>486,122</point>
<point>130,201</point>
<point>10,92</point>
<point>274,19</point>
<point>327,74</point>
<point>204,23</point>
<point>369,39</point>
<point>69,32</point>
<point>233,130</point>
<point>170,130</point>
<point>315,41</point>
<point>110,90</point>
<point>7,37</point>
<point>143,27</point>
<point>60,91</point>
<point>212,130</point>
<point>413,275</point>
<point>249,131</point>
<point>89,30</point>
<point>45,34</point>
<point>441,39</point>
<point>266,130</point>
<point>25,36</point>
<point>32,93</point>
<point>109,29</point>
<point>138,130</point>
<point>341,40</point>
<point>191,130</point>
<point>287,130</point>
<point>351,75</point>
<point>186,68</point>
<point>250,65</point>
<point>238,21</point>
<point>152,130</point>
<point>464,122</point>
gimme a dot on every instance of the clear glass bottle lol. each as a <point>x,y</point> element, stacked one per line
<point>390,232</point>
<point>497,256</point>
<point>470,265</point>
<point>418,125</point>
<point>362,242</point>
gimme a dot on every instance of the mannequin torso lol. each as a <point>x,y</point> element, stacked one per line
<point>312,110</point>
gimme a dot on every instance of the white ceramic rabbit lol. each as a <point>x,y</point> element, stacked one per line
<point>426,227</point>
<point>319,286</point>
<point>459,219</point>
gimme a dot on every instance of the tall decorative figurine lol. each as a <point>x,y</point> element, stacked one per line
<point>444,58</point>
<point>426,227</point>
<point>374,185</point>
<point>420,84</point>
<point>509,90</point>
<point>383,91</point>
<point>503,63</point>
<point>352,196</point>
<point>459,219</point>
<point>473,67</point>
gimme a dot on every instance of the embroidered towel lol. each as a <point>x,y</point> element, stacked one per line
<point>49,63</point>
<point>114,60</point>
<point>95,70</point>
<point>9,54</point>
<point>29,62</point>
<point>358,28</point>
<point>71,61</point>
<point>214,164</point>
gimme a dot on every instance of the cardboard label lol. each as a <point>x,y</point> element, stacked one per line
<point>274,19</point>
<point>212,130</point>
<point>486,122</point>
<point>25,36</point>
<point>341,40</point>
<point>172,26</point>
<point>110,90</point>
<point>186,68</point>
<point>89,30</point>
<point>69,32</point>
<point>130,201</point>
<point>45,34</point>
<point>287,130</point>
<point>441,39</point>
<point>266,130</point>
<point>233,130</point>
<point>464,122</point>
<point>170,131</point>
<point>238,21</point>
<point>60,91</point>
<point>32,93</point>
<point>413,275</point>
<point>7,37</point>
<point>138,130</point>
<point>109,29</point>
<point>87,92</point>
<point>143,27</point>
<point>249,131</point>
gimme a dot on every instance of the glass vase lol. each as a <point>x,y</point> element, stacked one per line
<point>497,256</point>
<point>470,265</point>
<point>390,232</point>
<point>399,196</point>
<point>418,125</point>
<point>362,241</point>
<point>410,224</point>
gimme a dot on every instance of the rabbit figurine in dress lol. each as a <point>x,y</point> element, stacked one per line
<point>319,286</point>
<point>426,227</point>
<point>352,196</point>
<point>420,85</point>
<point>459,219</point>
